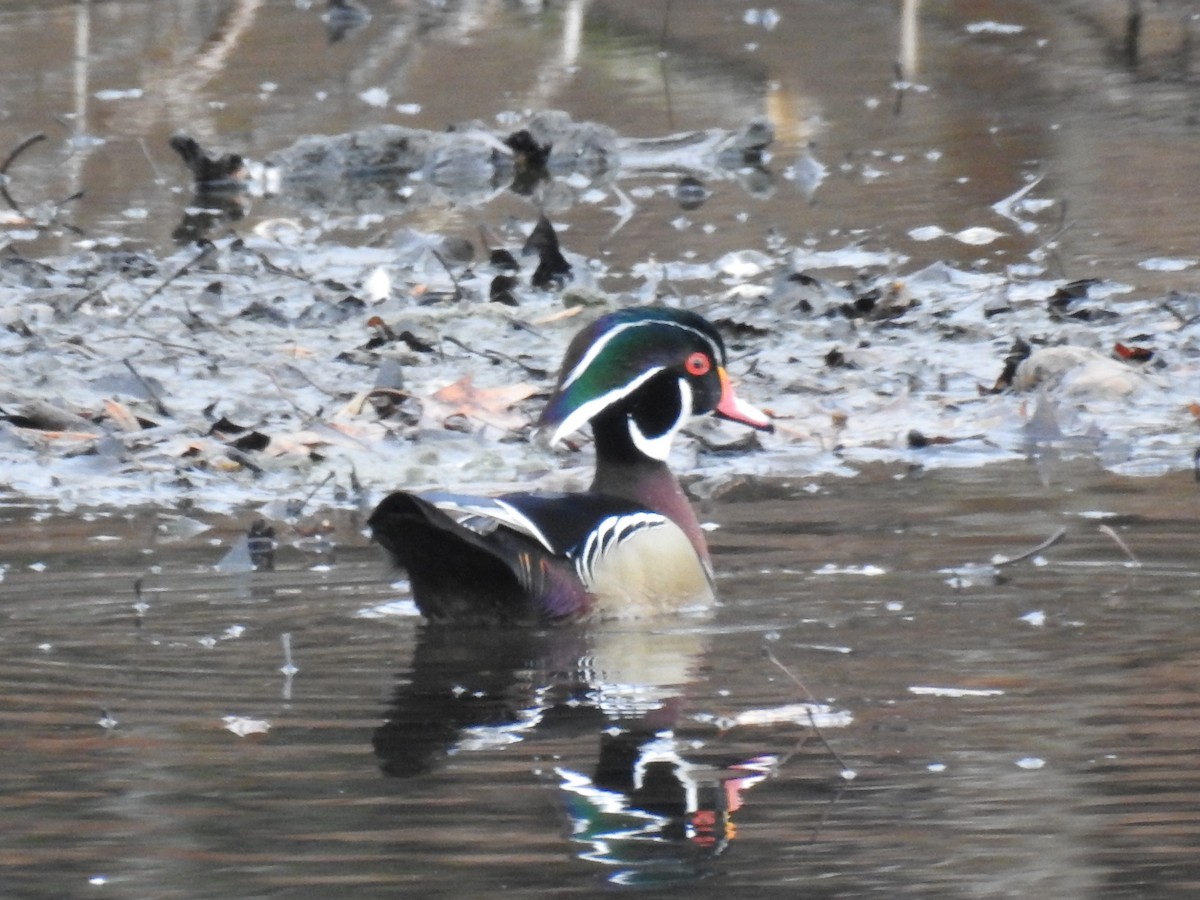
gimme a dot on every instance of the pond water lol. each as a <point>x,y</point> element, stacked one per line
<point>875,709</point>
<point>989,96</point>
<point>1023,731</point>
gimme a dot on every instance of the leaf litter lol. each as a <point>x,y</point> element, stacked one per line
<point>243,370</point>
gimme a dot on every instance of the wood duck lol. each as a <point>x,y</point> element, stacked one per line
<point>630,545</point>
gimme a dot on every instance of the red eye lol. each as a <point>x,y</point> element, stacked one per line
<point>698,364</point>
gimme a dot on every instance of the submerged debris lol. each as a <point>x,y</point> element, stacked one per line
<point>1079,372</point>
<point>466,164</point>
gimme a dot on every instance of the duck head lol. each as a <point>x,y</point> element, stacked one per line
<point>639,374</point>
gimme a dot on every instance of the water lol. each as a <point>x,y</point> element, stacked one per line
<point>1028,734</point>
<point>1014,730</point>
<point>976,113</point>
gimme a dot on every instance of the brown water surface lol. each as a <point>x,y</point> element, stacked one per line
<point>989,96</point>
<point>1031,734</point>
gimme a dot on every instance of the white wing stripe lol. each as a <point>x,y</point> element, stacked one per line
<point>493,510</point>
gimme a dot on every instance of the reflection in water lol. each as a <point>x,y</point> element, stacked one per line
<point>556,162</point>
<point>647,805</point>
<point>650,813</point>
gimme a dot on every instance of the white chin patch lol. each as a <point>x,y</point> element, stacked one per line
<point>659,447</point>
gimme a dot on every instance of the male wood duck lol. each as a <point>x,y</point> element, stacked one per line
<point>630,545</point>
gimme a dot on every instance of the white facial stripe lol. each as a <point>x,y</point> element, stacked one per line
<point>660,447</point>
<point>597,348</point>
<point>595,406</point>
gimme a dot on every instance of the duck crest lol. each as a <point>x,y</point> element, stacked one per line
<point>630,545</point>
<point>618,354</point>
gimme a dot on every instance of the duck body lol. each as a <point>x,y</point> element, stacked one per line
<point>629,546</point>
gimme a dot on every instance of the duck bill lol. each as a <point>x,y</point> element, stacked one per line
<point>735,410</point>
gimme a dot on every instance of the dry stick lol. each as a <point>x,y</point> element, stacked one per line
<point>312,493</point>
<point>1133,560</point>
<point>208,248</point>
<point>171,345</point>
<point>94,292</point>
<point>10,159</point>
<point>901,84</point>
<point>1183,320</point>
<point>811,718</point>
<point>150,159</point>
<point>312,384</point>
<point>271,267</point>
<point>496,355</point>
<point>305,416</point>
<point>458,291</point>
<point>153,394</point>
<point>662,64</point>
<point>1044,545</point>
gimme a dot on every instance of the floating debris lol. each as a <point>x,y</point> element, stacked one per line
<point>931,691</point>
<point>243,726</point>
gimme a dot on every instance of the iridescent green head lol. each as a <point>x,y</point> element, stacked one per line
<point>636,350</point>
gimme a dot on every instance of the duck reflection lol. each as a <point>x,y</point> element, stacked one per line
<point>646,806</point>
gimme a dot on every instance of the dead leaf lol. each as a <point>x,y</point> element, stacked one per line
<point>37,434</point>
<point>487,405</point>
<point>918,439</point>
<point>568,313</point>
<point>354,406</point>
<point>121,414</point>
<point>1136,354</point>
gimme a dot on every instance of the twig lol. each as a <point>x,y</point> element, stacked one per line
<point>19,149</point>
<point>663,56</point>
<point>497,356</point>
<point>10,159</point>
<point>816,832</point>
<point>305,416</point>
<point>1133,560</point>
<point>271,267</point>
<point>288,667</point>
<point>458,291</point>
<point>153,394</point>
<point>94,292</point>
<point>1044,545</point>
<point>312,384</point>
<point>811,718</point>
<point>140,606</point>
<point>171,345</point>
<point>1183,320</point>
<point>150,159</point>
<point>303,503</point>
<point>207,249</point>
